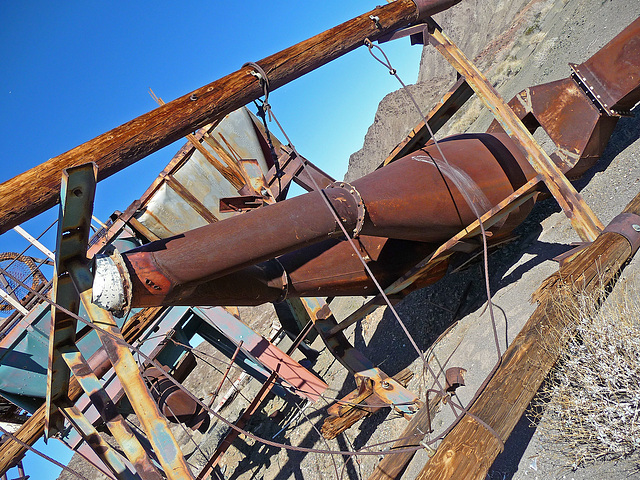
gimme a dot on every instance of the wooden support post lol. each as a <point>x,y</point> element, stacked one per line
<point>34,191</point>
<point>470,449</point>
<point>584,221</point>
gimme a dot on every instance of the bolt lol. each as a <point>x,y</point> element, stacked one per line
<point>386,385</point>
<point>636,227</point>
<point>193,97</point>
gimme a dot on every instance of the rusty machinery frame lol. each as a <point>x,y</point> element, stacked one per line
<point>72,283</point>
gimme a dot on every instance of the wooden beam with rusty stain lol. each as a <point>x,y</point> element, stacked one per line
<point>451,102</point>
<point>584,221</point>
<point>355,406</point>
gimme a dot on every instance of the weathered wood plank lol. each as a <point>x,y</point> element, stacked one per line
<point>356,406</point>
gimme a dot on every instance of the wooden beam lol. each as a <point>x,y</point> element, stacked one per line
<point>36,190</point>
<point>439,115</point>
<point>355,406</point>
<point>584,221</point>
<point>470,449</point>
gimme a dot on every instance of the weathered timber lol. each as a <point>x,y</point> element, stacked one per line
<point>470,449</point>
<point>11,451</point>
<point>583,220</point>
<point>392,465</point>
<point>356,406</point>
<point>36,190</point>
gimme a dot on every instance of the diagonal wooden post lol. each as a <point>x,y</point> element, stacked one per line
<point>584,221</point>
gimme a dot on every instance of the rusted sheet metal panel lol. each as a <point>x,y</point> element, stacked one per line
<point>304,382</point>
<point>114,421</point>
<point>579,130</point>
<point>166,213</point>
<point>613,74</point>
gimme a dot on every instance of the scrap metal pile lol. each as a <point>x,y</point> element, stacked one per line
<point>161,272</point>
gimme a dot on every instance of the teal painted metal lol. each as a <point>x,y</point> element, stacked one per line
<point>74,225</point>
<point>108,455</point>
<point>115,422</point>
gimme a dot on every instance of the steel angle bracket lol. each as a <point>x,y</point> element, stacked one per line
<point>74,220</point>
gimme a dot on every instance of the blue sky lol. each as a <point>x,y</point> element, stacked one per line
<point>73,70</point>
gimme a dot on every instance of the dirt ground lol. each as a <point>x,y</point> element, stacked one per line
<point>518,43</point>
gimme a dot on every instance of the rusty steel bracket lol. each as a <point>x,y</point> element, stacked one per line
<point>386,388</point>
<point>454,377</point>
<point>418,34</point>
<point>74,221</point>
<point>627,225</point>
<point>241,203</point>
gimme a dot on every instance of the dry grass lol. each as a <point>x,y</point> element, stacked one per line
<point>594,393</point>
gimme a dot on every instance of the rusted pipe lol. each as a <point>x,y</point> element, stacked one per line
<point>214,250</point>
<point>415,200</point>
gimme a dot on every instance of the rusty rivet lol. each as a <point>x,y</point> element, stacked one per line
<point>193,97</point>
<point>151,284</point>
